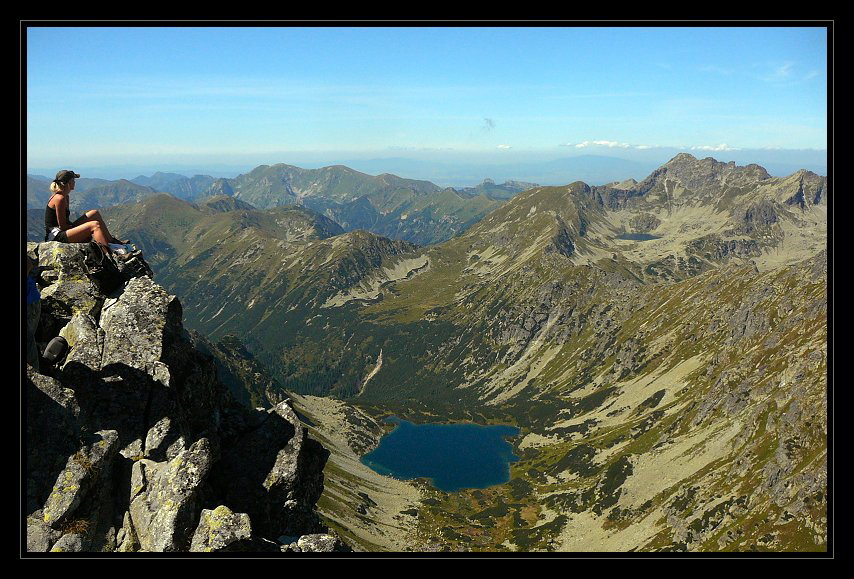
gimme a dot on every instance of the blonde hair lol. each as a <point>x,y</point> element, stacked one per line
<point>56,187</point>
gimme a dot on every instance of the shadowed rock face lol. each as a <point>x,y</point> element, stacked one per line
<point>132,442</point>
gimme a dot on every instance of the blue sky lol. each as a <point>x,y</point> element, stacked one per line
<point>143,95</point>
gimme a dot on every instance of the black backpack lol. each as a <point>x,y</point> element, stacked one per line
<point>103,268</point>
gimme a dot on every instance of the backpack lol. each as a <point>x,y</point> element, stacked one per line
<point>103,268</point>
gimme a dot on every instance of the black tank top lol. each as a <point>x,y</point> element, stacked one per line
<point>50,220</point>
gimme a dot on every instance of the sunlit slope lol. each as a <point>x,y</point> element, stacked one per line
<point>671,389</point>
<point>498,310</point>
<point>703,428</point>
<point>691,418</point>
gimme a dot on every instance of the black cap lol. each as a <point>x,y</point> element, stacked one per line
<point>65,176</point>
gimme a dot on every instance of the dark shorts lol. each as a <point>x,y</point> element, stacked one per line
<point>61,237</point>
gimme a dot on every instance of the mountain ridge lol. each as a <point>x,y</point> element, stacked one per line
<point>407,209</point>
<point>698,350</point>
<point>579,225</point>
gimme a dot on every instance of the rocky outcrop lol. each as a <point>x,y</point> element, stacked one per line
<point>134,444</point>
<point>561,243</point>
<point>708,173</point>
<point>811,190</point>
<point>644,223</point>
<point>714,248</point>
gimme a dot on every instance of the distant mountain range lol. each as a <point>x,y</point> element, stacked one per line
<point>593,164</point>
<point>411,210</point>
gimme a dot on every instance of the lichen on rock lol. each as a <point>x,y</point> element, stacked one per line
<point>131,437</point>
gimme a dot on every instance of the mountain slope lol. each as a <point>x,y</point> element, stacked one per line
<point>670,387</point>
<point>406,209</point>
<point>701,425</point>
<point>544,265</point>
<point>187,188</point>
<point>252,273</point>
<point>271,185</point>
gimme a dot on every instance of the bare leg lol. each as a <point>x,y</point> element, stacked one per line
<point>86,231</point>
<point>93,215</point>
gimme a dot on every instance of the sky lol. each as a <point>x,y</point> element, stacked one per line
<point>162,96</point>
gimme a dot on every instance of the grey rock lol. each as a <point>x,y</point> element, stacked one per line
<point>714,248</point>
<point>40,535</point>
<point>69,543</point>
<point>275,474</point>
<point>52,433</point>
<point>69,291</point>
<point>85,340</point>
<point>321,543</point>
<point>163,495</point>
<point>135,324</point>
<point>163,441</point>
<point>126,539</point>
<point>125,437</point>
<point>220,529</point>
<point>644,223</point>
<point>81,473</point>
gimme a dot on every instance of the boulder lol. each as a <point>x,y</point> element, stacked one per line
<point>132,439</point>
<point>219,529</point>
<point>275,473</point>
<point>81,473</point>
<point>321,543</point>
<point>163,496</point>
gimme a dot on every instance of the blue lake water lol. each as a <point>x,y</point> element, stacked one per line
<point>638,236</point>
<point>452,456</point>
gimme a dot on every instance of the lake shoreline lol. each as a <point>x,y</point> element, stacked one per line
<point>434,452</point>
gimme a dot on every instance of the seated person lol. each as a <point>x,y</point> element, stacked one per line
<point>58,227</point>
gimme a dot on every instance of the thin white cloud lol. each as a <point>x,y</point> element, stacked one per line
<point>601,143</point>
<point>780,73</point>
<point>504,147</point>
<point>721,147</point>
<point>620,145</point>
<point>609,145</point>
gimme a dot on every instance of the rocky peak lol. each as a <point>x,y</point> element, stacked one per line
<point>682,158</point>
<point>220,187</point>
<point>811,189</point>
<point>520,185</point>
<point>134,444</point>
<point>626,184</point>
<point>695,173</point>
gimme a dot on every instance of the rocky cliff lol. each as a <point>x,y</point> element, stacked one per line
<point>133,443</point>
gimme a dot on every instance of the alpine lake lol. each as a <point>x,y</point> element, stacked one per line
<point>453,456</point>
<point>638,236</point>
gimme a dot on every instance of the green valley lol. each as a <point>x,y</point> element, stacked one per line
<point>671,391</point>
